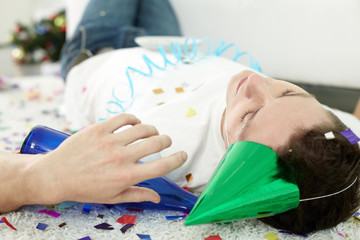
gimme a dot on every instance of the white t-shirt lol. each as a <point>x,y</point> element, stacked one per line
<point>184,101</point>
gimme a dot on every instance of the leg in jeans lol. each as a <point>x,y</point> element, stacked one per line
<point>157,17</point>
<point>115,24</point>
<point>105,23</point>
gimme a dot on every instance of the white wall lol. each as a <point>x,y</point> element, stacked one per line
<point>12,11</point>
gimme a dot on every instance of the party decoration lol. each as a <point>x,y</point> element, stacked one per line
<point>7,223</point>
<point>213,237</point>
<point>144,236</point>
<point>50,213</point>
<point>85,238</point>
<point>191,112</point>
<point>127,219</point>
<point>171,218</point>
<point>104,226</point>
<point>350,136</point>
<point>41,226</point>
<point>62,224</point>
<point>43,139</point>
<point>158,91</point>
<point>40,41</point>
<point>126,227</point>
<point>250,182</point>
<point>86,209</point>
<point>179,89</point>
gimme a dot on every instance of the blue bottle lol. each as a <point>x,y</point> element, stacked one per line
<point>43,139</point>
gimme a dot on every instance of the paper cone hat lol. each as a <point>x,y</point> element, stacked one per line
<point>249,182</point>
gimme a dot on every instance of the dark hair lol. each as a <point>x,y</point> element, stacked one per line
<point>320,167</point>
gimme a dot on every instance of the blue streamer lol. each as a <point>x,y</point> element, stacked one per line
<point>188,53</point>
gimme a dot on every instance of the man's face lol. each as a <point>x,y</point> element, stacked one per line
<point>267,111</point>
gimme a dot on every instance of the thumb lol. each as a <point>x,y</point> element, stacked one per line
<point>137,194</point>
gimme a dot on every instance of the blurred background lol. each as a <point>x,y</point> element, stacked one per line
<point>15,15</point>
<point>314,44</point>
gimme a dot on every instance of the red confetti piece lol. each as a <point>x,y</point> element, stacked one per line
<point>7,223</point>
<point>135,210</point>
<point>213,237</point>
<point>127,219</point>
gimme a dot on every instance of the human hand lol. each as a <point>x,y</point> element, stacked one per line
<point>99,166</point>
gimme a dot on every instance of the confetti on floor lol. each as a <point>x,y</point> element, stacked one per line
<point>213,237</point>
<point>144,236</point>
<point>85,238</point>
<point>50,213</point>
<point>126,227</point>
<point>86,209</point>
<point>7,223</point>
<point>158,91</point>
<point>127,219</point>
<point>271,236</point>
<point>62,224</point>
<point>41,226</point>
<point>104,226</point>
<point>171,218</point>
<point>191,112</point>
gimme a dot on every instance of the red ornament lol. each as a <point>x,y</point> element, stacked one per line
<point>18,28</point>
<point>63,28</point>
<point>49,45</point>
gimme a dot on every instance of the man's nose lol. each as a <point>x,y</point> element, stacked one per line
<point>258,88</point>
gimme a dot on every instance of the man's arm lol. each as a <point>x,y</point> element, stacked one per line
<point>94,165</point>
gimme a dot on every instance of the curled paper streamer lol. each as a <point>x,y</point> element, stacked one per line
<point>248,183</point>
<point>185,53</point>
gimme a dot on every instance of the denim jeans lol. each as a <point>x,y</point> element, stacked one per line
<point>115,24</point>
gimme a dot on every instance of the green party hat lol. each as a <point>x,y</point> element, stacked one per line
<point>250,182</point>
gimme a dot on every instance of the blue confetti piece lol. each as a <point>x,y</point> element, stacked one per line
<point>126,227</point>
<point>86,209</point>
<point>41,226</point>
<point>170,218</point>
<point>357,216</point>
<point>104,226</point>
<point>1,221</point>
<point>350,136</point>
<point>85,238</point>
<point>144,236</point>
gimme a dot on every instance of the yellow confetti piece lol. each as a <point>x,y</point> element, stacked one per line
<point>179,89</point>
<point>33,95</point>
<point>160,103</point>
<point>271,236</point>
<point>158,91</point>
<point>189,177</point>
<point>191,112</point>
<point>354,220</point>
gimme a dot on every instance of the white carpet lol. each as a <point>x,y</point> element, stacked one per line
<point>29,101</point>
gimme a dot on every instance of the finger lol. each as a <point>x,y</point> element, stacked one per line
<point>137,194</point>
<point>135,133</point>
<point>148,146</point>
<point>161,166</point>
<point>112,124</point>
